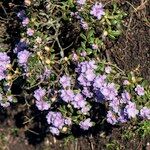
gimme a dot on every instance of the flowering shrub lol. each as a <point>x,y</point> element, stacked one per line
<point>66,85</point>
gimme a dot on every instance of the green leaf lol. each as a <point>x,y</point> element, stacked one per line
<point>83,36</point>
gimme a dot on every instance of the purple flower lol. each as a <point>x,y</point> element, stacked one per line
<point>83,54</point>
<point>85,110</point>
<point>97,10</point>
<point>74,56</point>
<point>99,81</point>
<point>86,92</point>
<point>82,80</point>
<point>68,121</point>
<point>140,90</point>
<point>126,82</point>
<point>39,94</point>
<point>130,110</point>
<point>90,75</point>
<point>111,118</point>
<point>94,46</point>
<point>54,131</point>
<point>30,31</point>
<point>145,113</point>
<point>65,81</point>
<point>122,118</point>
<point>42,105</point>
<point>67,95</point>
<point>109,91</point>
<point>4,62</point>
<point>86,124</point>
<point>25,21</point>
<point>125,97</point>
<point>21,14</point>
<point>23,57</point>
<point>5,104</point>
<point>56,119</point>
<point>79,101</point>
<point>114,104</point>
<point>81,2</point>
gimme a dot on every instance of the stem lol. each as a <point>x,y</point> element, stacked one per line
<point>61,49</point>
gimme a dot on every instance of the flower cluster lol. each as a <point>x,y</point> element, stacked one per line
<point>39,95</point>
<point>91,86</point>
<point>22,16</point>
<point>66,95</point>
<point>4,62</point>
<point>121,108</point>
<point>57,122</point>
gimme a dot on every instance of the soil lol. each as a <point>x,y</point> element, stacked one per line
<point>131,52</point>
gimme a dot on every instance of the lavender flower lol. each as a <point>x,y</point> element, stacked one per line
<point>97,10</point>
<point>54,131</point>
<point>79,101</point>
<point>85,110</point>
<point>140,90</point>
<point>25,21</point>
<point>4,62</point>
<point>114,104</point>
<point>56,119</point>
<point>67,95</point>
<point>74,56</point>
<point>89,75</point>
<point>99,81</point>
<point>145,113</point>
<point>111,118</point>
<point>21,14</point>
<point>130,110</point>
<point>125,97</point>
<point>126,82</point>
<point>86,92</point>
<point>30,31</point>
<point>83,54</point>
<point>39,94</point>
<point>65,81</point>
<point>5,104</point>
<point>42,105</point>
<point>83,81</point>
<point>23,57</point>
<point>86,124</point>
<point>94,46</point>
<point>122,117</point>
<point>68,121</point>
<point>109,91</point>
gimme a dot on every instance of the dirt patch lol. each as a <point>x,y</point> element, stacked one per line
<point>132,51</point>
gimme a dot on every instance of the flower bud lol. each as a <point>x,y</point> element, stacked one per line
<point>47,61</point>
<point>105,33</point>
<point>64,129</point>
<point>47,48</point>
<point>66,59</point>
